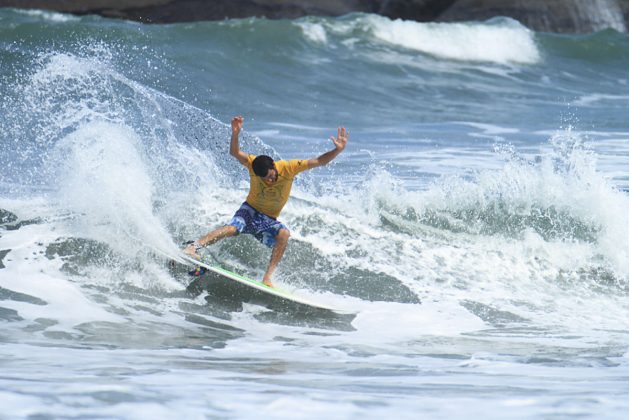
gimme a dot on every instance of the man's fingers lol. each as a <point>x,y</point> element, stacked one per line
<point>341,140</point>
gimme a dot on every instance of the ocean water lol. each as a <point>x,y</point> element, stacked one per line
<point>476,225</point>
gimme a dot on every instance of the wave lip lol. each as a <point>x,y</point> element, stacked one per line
<point>501,41</point>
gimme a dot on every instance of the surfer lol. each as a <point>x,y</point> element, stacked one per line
<point>270,183</point>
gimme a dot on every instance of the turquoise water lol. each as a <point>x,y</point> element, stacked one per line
<point>476,223</point>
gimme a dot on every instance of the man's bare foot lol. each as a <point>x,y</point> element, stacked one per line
<point>267,282</point>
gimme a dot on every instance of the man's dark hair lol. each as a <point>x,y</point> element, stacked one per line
<point>261,165</point>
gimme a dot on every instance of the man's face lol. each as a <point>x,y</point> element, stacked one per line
<point>271,175</point>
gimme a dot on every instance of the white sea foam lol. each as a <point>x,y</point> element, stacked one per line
<point>491,130</point>
<point>314,32</point>
<point>28,272</point>
<point>594,99</point>
<point>537,232</point>
<point>499,43</point>
<point>391,322</point>
<point>50,16</point>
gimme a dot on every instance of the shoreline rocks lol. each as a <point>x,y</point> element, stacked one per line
<point>545,15</point>
<point>572,16</point>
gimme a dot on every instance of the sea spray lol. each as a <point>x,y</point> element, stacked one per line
<point>483,280</point>
<point>104,180</point>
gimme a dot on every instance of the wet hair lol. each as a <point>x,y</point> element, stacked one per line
<point>261,165</point>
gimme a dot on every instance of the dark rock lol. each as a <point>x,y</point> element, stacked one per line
<point>540,15</point>
<point>195,10</point>
<point>419,10</point>
<point>81,6</point>
<point>624,7</point>
<point>545,15</point>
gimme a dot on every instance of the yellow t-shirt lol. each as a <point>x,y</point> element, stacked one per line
<point>270,198</point>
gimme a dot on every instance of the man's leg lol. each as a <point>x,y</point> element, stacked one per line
<point>281,240</point>
<point>210,238</point>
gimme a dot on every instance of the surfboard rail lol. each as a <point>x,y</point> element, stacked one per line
<point>274,291</point>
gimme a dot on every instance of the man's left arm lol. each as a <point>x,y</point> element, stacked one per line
<point>340,141</point>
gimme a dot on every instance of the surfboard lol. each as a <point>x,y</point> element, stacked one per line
<point>257,285</point>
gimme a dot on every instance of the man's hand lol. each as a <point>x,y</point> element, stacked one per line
<point>234,147</point>
<point>341,140</point>
<point>237,124</point>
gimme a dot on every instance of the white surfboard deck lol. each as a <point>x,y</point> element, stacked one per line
<point>274,291</point>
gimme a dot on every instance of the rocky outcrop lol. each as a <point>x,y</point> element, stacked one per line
<point>624,7</point>
<point>194,10</point>
<point>419,10</point>
<point>545,15</point>
<point>540,15</point>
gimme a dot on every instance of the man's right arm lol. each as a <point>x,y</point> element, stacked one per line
<point>234,147</point>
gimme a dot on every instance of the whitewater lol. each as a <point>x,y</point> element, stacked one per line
<point>476,224</point>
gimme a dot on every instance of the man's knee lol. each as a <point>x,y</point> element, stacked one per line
<point>283,235</point>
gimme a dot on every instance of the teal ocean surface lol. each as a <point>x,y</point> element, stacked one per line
<point>476,223</point>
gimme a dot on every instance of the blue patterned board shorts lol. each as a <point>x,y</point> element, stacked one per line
<point>250,221</point>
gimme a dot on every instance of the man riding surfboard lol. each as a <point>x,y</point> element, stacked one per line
<point>270,183</point>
